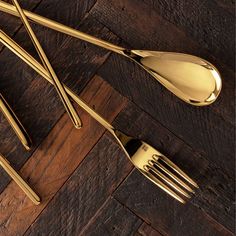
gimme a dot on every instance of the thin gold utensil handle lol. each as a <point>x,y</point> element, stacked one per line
<point>19,181</point>
<point>15,123</point>
<point>8,8</point>
<point>60,89</point>
<point>25,56</point>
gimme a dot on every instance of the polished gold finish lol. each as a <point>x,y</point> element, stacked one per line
<point>150,162</point>
<point>19,181</point>
<point>21,53</point>
<point>190,78</point>
<point>60,89</point>
<point>15,123</point>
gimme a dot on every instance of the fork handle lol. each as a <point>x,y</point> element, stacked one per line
<point>19,181</point>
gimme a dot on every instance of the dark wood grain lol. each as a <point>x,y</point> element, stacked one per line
<point>12,25</point>
<point>147,230</point>
<point>57,158</point>
<point>40,115</point>
<point>99,174</point>
<point>112,220</point>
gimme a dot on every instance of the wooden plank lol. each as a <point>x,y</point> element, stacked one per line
<point>210,23</point>
<point>57,158</point>
<point>207,129</point>
<point>147,230</point>
<point>202,142</point>
<point>112,219</point>
<point>85,192</point>
<point>214,199</point>
<point>22,88</point>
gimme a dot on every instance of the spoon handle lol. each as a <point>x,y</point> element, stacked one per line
<point>8,8</point>
<point>19,181</point>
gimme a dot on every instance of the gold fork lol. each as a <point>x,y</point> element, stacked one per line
<point>149,161</point>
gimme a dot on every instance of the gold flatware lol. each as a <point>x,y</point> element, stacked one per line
<point>15,123</point>
<point>150,162</point>
<point>19,181</point>
<point>190,78</point>
<point>56,82</point>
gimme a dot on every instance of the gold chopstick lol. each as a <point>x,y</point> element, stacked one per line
<point>60,89</point>
<point>19,181</point>
<point>15,123</point>
<point>26,57</point>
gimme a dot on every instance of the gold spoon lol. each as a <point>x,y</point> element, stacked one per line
<point>190,78</point>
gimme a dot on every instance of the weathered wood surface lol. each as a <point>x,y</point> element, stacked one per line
<point>57,158</point>
<point>87,184</point>
<point>210,136</point>
<point>133,193</point>
<point>104,168</point>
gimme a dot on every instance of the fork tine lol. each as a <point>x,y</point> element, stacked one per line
<point>178,170</point>
<point>163,186</point>
<point>169,182</point>
<point>178,180</point>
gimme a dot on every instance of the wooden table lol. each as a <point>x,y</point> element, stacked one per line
<point>87,185</point>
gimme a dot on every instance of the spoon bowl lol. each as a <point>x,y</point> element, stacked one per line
<point>192,79</point>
